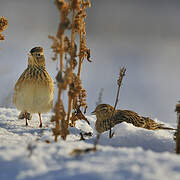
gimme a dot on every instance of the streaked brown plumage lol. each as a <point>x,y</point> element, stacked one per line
<point>104,112</point>
<point>34,90</point>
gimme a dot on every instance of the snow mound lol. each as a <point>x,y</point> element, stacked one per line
<point>126,135</point>
<point>132,154</point>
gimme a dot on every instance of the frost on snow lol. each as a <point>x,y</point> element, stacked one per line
<point>132,154</point>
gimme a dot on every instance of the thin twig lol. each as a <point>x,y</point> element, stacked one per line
<point>119,82</point>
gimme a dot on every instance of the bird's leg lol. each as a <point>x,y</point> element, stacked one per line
<point>26,117</point>
<point>40,125</point>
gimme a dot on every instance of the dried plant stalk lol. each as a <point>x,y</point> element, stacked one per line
<point>178,129</point>
<point>119,82</point>
<point>58,49</point>
<point>66,78</point>
<point>61,53</point>
<point>70,96</point>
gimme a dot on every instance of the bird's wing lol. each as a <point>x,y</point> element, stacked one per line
<point>129,117</point>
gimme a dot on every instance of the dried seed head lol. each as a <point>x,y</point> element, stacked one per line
<point>79,23</point>
<point>55,47</point>
<point>63,6</point>
<point>88,52</point>
<point>68,76</point>
<point>76,4</point>
<point>75,86</point>
<point>59,77</point>
<point>121,75</point>
<point>82,98</point>
<point>59,3</point>
<point>83,93</point>
<point>87,4</point>
<point>3,23</point>
<point>74,63</point>
<point>3,26</point>
<point>65,24</point>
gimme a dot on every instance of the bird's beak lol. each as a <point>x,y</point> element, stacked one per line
<point>29,54</point>
<point>93,113</point>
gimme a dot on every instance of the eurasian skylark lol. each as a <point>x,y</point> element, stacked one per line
<point>104,112</point>
<point>34,90</point>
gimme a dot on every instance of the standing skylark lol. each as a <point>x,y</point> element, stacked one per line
<point>104,112</point>
<point>34,90</point>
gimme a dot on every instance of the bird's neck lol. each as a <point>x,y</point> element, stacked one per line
<point>37,66</point>
<point>103,116</point>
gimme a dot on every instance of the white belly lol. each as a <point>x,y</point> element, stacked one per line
<point>34,98</point>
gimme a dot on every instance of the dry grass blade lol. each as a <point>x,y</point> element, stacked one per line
<point>119,83</point>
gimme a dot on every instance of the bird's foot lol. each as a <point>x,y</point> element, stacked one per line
<point>111,135</point>
<point>40,125</point>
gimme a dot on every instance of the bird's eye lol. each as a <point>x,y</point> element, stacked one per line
<point>38,55</point>
<point>104,109</point>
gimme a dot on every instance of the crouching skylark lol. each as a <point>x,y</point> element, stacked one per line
<point>34,90</point>
<point>104,112</point>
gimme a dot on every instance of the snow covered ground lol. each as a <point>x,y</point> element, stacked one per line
<point>133,154</point>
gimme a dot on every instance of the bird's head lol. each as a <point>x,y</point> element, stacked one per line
<point>30,60</point>
<point>38,56</point>
<point>103,111</point>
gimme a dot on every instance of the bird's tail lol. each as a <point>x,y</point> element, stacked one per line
<point>166,128</point>
<point>152,125</point>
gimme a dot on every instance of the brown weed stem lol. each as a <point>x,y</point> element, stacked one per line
<point>119,82</point>
<point>178,129</point>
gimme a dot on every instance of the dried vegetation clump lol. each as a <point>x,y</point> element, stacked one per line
<point>3,26</point>
<point>78,152</point>
<point>70,54</point>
